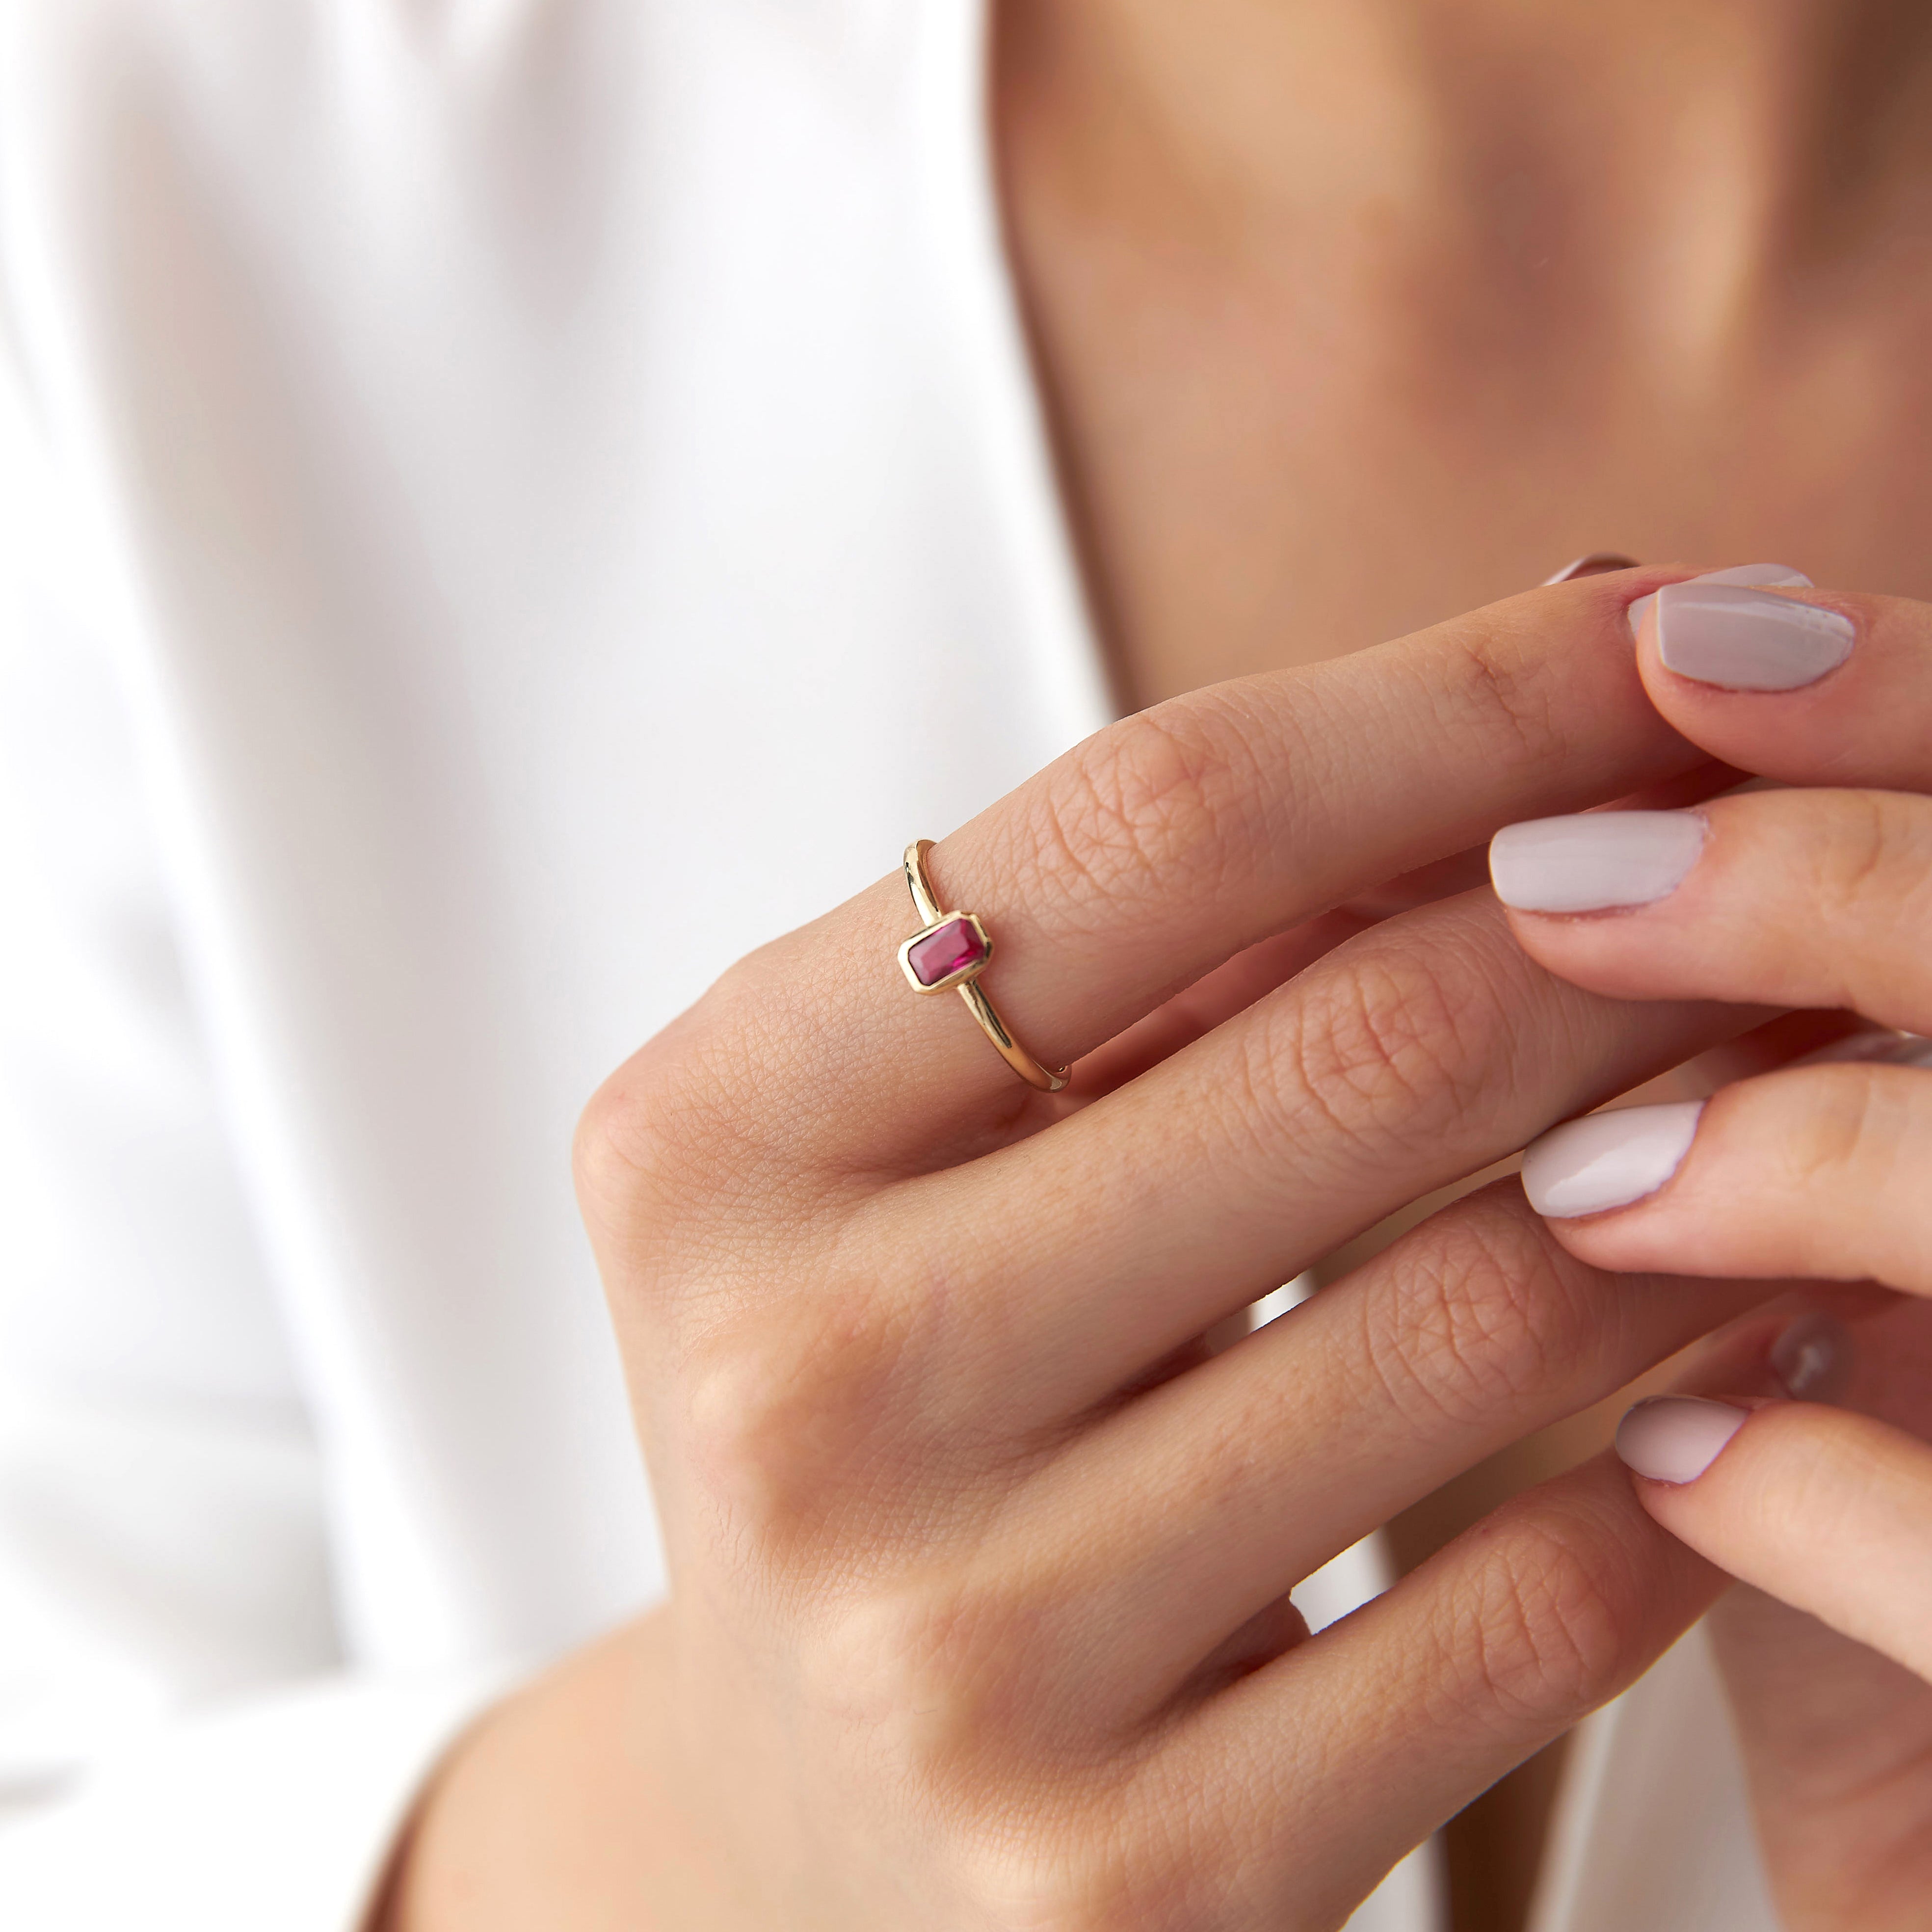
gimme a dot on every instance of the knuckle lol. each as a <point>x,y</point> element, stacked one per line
<point>922,1685</point>
<point>1855,860</point>
<point>1103,1863</point>
<point>1849,1131</point>
<point>629,1159</point>
<point>738,1436</point>
<point>636,1132</point>
<point>926,1675</point>
<point>671,1129</point>
<point>902,1663</point>
<point>1513,706</point>
<point>1156,796</point>
<point>789,1431</point>
<point>1390,1047</point>
<point>1020,1886</point>
<point>1478,1316</point>
<point>1875,868</point>
<point>1545,1625</point>
<point>601,1159</point>
<point>929,1679</point>
<point>1842,1118</point>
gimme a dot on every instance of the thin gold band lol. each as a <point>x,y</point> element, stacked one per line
<point>976,955</point>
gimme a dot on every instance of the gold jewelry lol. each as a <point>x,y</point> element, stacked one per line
<point>951,950</point>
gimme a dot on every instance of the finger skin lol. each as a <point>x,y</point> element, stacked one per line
<point>1864,724</point>
<point>1214,1494</point>
<point>1417,1054</point>
<point>1160,847</point>
<point>1818,899</point>
<point>1837,1742</point>
<point>1502,1641</point>
<point>1815,1172</point>
<point>1828,1510</point>
<point>1797,898</point>
<point>1231,989</point>
<point>1836,1737</point>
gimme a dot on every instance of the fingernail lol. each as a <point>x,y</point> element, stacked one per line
<point>1813,1358</point>
<point>1675,1439</point>
<point>1748,639</point>
<point>1596,564</point>
<point>1878,1049</point>
<point>1595,860</point>
<point>1608,1160</point>
<point>1763,575</point>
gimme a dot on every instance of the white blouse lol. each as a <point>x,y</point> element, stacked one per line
<point>505,505</point>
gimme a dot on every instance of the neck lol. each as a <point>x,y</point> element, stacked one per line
<point>1679,159</point>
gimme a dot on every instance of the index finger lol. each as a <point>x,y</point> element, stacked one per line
<point>1168,842</point>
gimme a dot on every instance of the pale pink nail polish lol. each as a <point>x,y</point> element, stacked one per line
<point>1608,1160</point>
<point>1742,639</point>
<point>1597,563</point>
<point>1675,1439</point>
<point>1595,861</point>
<point>1872,1049</point>
<point>1778,576</point>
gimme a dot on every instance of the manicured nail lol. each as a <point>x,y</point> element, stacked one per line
<point>1763,575</point>
<point>1597,563</point>
<point>1675,1439</point>
<point>1874,1049</point>
<point>1813,1358</point>
<point>1748,639</point>
<point>1608,1160</point>
<point>1595,860</point>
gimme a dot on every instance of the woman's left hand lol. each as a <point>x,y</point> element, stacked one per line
<point>1815,898</point>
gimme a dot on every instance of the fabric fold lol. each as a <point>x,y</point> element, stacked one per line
<point>283,1812</point>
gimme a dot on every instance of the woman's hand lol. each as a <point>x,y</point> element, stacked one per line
<point>1819,897</point>
<point>981,1560</point>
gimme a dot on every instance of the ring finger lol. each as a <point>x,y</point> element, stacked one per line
<point>1410,1058</point>
<point>1168,843</point>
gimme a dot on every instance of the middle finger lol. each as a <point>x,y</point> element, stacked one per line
<point>1414,1055</point>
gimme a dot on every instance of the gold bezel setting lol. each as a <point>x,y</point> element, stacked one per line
<point>961,978</point>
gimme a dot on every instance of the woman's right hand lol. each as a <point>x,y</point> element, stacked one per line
<point>981,1562</point>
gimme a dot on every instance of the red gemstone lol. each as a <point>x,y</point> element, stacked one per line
<point>946,950</point>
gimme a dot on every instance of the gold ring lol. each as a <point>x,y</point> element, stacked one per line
<point>950,951</point>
